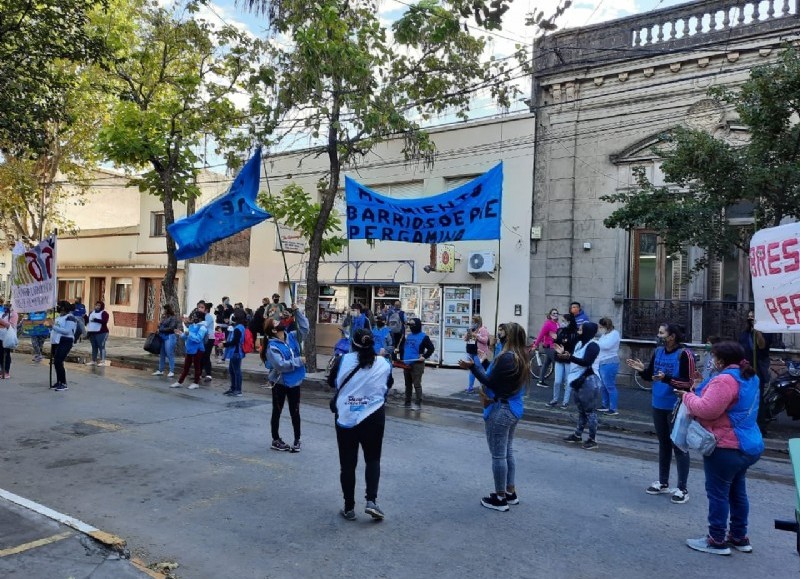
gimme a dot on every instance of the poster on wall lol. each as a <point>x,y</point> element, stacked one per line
<point>457,313</point>
<point>33,276</point>
<point>430,315</point>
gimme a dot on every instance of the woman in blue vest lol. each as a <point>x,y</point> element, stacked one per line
<point>502,391</point>
<point>727,406</point>
<point>287,371</point>
<point>671,368</point>
<point>416,347</point>
<point>362,382</point>
<point>234,351</point>
<point>382,337</point>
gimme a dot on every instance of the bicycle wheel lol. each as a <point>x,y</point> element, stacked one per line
<point>641,382</point>
<point>537,359</point>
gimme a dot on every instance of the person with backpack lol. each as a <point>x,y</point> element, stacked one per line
<point>583,380</point>
<point>502,393</point>
<point>671,368</point>
<point>396,321</point>
<point>234,352</point>
<point>62,337</point>
<point>567,338</point>
<point>287,371</point>
<point>195,338</point>
<point>362,381</point>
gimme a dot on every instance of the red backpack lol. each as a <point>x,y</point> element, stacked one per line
<point>249,342</point>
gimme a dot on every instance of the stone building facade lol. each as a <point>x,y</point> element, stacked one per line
<point>604,96</point>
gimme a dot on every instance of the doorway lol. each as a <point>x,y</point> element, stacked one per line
<point>97,290</point>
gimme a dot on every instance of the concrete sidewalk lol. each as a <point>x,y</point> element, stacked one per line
<point>441,387</point>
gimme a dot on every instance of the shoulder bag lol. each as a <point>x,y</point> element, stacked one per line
<point>332,403</point>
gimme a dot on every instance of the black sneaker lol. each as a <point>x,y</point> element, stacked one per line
<point>61,388</point>
<point>512,499</point>
<point>573,438</point>
<point>348,515</point>
<point>278,444</point>
<point>228,392</point>
<point>741,545</point>
<point>552,404</point>
<point>589,444</point>
<point>54,386</point>
<point>237,394</point>
<point>295,446</point>
<point>494,502</point>
<point>374,511</point>
<point>658,488</point>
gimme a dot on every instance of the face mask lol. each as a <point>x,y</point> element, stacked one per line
<point>601,331</point>
<point>276,300</point>
<point>473,327</point>
<point>501,337</point>
<point>707,347</point>
<point>380,324</point>
<point>98,309</point>
<point>660,341</point>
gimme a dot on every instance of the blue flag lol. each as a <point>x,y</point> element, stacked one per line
<point>233,212</point>
<point>471,211</point>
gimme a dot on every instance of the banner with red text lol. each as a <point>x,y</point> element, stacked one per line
<point>34,287</point>
<point>775,270</point>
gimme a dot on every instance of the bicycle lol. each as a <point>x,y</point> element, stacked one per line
<point>537,359</point>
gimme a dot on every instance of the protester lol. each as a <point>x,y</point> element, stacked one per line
<point>79,311</point>
<point>709,369</point>
<point>223,313</point>
<point>256,325</point>
<point>502,392</point>
<point>671,368</point>
<point>166,329</point>
<point>608,360</point>
<point>287,371</point>
<point>416,347</point>
<point>477,337</point>
<point>204,309</point>
<point>583,380</point>
<point>396,321</point>
<point>382,338</point>
<point>8,324</point>
<point>219,339</point>
<point>362,382</point>
<point>38,335</point>
<point>756,347</point>
<point>62,337</point>
<point>234,352</point>
<point>566,337</point>
<point>358,319</point>
<point>195,338</point>
<point>577,312</point>
<point>545,339</point>
<point>287,319</point>
<point>727,406</point>
<point>275,308</point>
<point>97,330</point>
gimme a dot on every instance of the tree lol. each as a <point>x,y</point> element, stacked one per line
<point>710,176</point>
<point>34,35</point>
<point>349,87</point>
<point>176,89</point>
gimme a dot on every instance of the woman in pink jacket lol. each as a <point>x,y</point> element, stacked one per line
<point>477,337</point>
<point>727,406</point>
<point>8,322</point>
<point>545,338</point>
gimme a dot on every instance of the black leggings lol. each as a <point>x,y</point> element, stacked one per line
<point>208,348</point>
<point>369,434</point>
<point>280,394</point>
<point>59,355</point>
<point>663,428</point>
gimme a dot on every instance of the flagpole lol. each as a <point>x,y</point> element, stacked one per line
<point>497,293</point>
<point>55,296</point>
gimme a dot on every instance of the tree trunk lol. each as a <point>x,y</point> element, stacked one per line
<point>169,291</point>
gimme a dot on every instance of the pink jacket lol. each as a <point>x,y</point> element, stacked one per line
<point>544,336</point>
<point>720,394</point>
<point>482,338</point>
<point>6,321</point>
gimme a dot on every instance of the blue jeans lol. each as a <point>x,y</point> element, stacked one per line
<point>500,427</point>
<point>561,378</point>
<point>608,376</point>
<point>98,342</point>
<point>235,373</point>
<point>726,488</point>
<point>167,351</point>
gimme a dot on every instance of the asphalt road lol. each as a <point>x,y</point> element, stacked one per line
<point>187,476</point>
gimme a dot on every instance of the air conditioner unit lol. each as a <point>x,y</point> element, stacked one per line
<point>481,262</point>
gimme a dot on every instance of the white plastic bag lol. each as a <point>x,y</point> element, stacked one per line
<point>680,428</point>
<point>10,340</point>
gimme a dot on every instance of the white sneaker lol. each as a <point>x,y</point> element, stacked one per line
<point>194,386</point>
<point>175,385</point>
<point>102,363</point>
<point>679,497</point>
<point>158,373</point>
<point>658,489</point>
<point>171,374</point>
<point>208,378</point>
<point>90,363</point>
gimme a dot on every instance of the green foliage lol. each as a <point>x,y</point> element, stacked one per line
<point>295,209</point>
<point>35,40</point>
<point>710,176</point>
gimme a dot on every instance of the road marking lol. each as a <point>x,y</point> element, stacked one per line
<point>33,544</point>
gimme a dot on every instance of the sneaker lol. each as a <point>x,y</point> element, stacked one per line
<point>348,515</point>
<point>495,502</point>
<point>573,438</point>
<point>280,445</point>
<point>61,387</point>
<point>237,394</point>
<point>741,545</point>
<point>171,374</point>
<point>541,384</point>
<point>552,404</point>
<point>612,413</point>
<point>564,406</point>
<point>175,385</point>
<point>707,545</point>
<point>512,499</point>
<point>679,497</point>
<point>416,406</point>
<point>589,444</point>
<point>90,363</point>
<point>102,363</point>
<point>658,488</point>
<point>194,386</point>
<point>158,373</point>
<point>208,378</point>
<point>374,511</point>
<point>228,392</point>
<point>54,386</point>
<point>602,409</point>
<point>296,446</point>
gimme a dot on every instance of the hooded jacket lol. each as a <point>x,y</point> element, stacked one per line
<point>416,343</point>
<point>583,361</point>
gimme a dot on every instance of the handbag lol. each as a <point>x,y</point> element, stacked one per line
<point>332,403</point>
<point>153,343</point>
<point>680,425</point>
<point>698,438</point>
<point>10,340</point>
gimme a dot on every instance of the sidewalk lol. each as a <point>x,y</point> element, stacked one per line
<point>443,387</point>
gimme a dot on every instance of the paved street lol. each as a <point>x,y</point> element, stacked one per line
<point>187,477</point>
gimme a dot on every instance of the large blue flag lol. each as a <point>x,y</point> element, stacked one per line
<point>233,212</point>
<point>471,211</point>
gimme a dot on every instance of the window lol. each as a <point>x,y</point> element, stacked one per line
<point>157,224</point>
<point>408,190</point>
<point>654,274</point>
<point>121,291</point>
<point>451,183</point>
<point>69,289</point>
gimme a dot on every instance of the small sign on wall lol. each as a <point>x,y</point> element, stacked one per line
<point>293,241</point>
<point>445,257</point>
